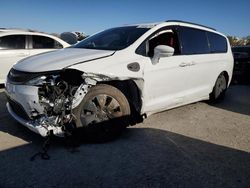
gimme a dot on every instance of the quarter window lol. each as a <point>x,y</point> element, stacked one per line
<point>194,41</point>
<point>218,43</point>
<point>12,42</point>
<point>41,42</point>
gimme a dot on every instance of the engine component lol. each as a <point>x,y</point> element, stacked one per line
<point>58,97</point>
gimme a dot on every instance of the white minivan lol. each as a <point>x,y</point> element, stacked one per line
<point>16,44</point>
<point>115,77</point>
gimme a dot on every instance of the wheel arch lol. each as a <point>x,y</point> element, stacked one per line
<point>211,94</point>
<point>225,73</point>
<point>132,88</point>
<point>133,92</point>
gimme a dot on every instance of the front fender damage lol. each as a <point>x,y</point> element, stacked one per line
<point>58,96</point>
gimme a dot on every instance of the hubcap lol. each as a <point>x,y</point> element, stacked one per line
<point>100,108</point>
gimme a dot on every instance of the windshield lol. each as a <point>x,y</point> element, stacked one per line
<point>113,39</point>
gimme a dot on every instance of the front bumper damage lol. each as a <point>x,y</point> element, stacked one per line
<point>46,107</point>
<point>37,126</point>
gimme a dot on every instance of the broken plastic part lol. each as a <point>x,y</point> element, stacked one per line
<point>79,95</point>
<point>57,97</point>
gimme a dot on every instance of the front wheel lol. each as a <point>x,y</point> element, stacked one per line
<point>219,89</point>
<point>103,113</point>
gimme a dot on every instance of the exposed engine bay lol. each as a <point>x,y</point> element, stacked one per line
<point>58,94</point>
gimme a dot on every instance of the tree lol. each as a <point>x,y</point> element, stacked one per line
<point>248,40</point>
<point>235,41</point>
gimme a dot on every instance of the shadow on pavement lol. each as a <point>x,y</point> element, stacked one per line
<point>237,99</point>
<point>142,157</point>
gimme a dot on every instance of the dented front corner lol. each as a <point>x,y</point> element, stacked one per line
<point>50,101</point>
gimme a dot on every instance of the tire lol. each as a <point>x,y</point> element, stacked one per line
<point>103,113</point>
<point>219,89</point>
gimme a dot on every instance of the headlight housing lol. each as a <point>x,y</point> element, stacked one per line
<point>38,81</point>
<point>44,79</point>
<point>31,78</point>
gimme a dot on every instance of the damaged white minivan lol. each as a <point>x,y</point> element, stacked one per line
<point>122,74</point>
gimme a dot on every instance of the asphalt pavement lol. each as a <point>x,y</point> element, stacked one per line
<point>197,145</point>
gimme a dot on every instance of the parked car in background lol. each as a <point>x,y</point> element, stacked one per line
<point>73,37</point>
<point>122,74</point>
<point>16,44</point>
<point>241,71</point>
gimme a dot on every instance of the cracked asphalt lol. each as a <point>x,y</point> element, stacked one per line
<point>198,145</point>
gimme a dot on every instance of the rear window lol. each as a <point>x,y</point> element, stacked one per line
<point>217,43</point>
<point>12,42</point>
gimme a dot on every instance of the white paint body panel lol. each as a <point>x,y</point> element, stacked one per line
<point>59,59</point>
<point>172,82</point>
<point>8,57</point>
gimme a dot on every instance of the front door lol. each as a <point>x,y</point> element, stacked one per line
<point>167,83</point>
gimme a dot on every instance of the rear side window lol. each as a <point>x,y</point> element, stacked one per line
<point>194,41</point>
<point>42,42</point>
<point>218,43</point>
<point>12,42</point>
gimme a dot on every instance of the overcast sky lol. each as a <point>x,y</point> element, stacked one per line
<point>228,16</point>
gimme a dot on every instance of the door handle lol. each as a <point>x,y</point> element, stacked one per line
<point>187,64</point>
<point>183,64</point>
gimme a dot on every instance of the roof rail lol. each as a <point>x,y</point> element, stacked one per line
<point>191,23</point>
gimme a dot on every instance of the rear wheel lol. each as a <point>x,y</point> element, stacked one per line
<point>103,113</point>
<point>219,89</point>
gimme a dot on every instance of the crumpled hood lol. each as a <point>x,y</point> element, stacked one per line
<point>59,59</point>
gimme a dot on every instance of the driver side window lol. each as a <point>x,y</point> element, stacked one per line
<point>163,37</point>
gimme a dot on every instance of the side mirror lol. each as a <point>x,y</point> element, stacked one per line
<point>162,51</point>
